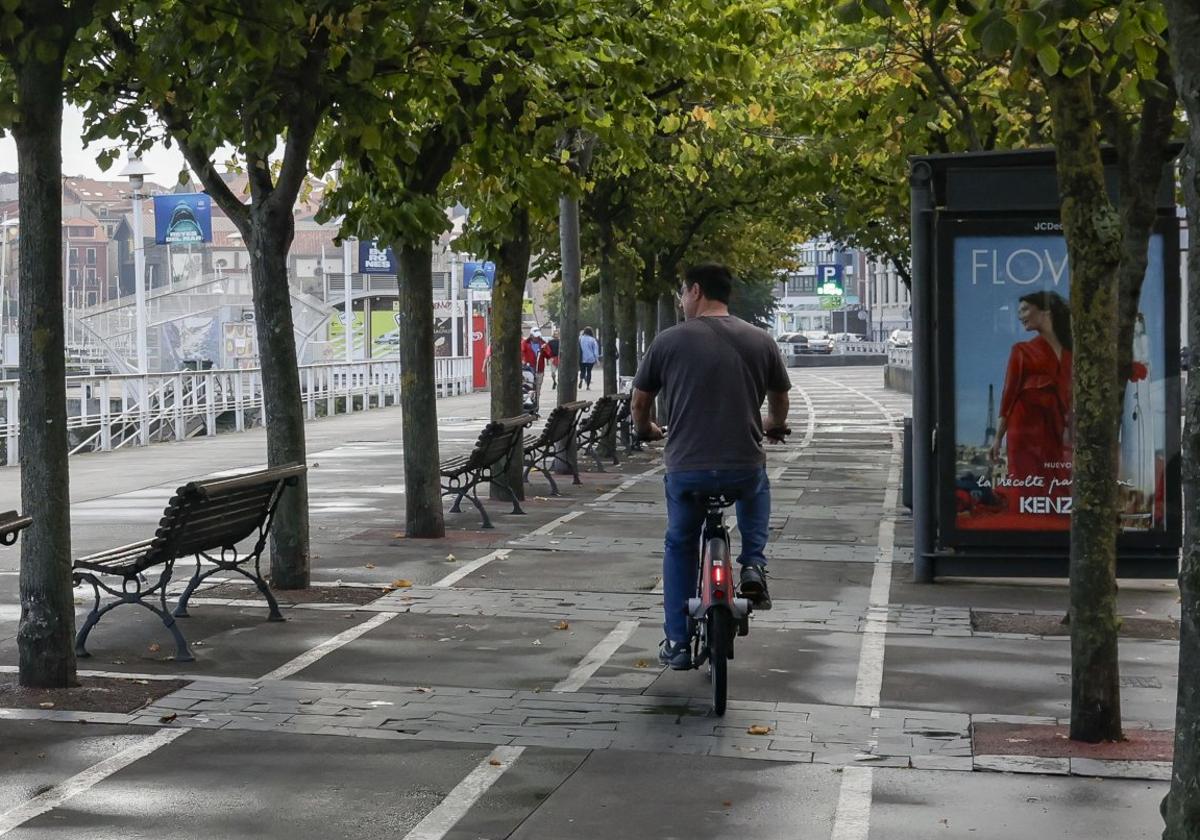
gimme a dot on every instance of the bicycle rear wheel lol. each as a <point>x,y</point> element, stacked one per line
<point>720,632</point>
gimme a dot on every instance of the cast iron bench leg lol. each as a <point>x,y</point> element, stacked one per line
<point>474,497</point>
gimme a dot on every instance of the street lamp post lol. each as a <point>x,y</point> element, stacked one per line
<point>347,301</point>
<point>136,172</point>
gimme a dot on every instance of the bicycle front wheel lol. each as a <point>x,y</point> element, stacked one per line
<point>720,631</point>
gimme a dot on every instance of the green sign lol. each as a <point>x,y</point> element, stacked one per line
<point>831,301</point>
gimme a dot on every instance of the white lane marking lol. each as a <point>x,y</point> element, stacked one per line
<point>852,820</point>
<point>438,822</point>
<point>550,526</point>
<point>810,428</point>
<point>874,637</point>
<point>777,472</point>
<point>458,574</point>
<point>86,780</point>
<point>597,656</point>
<point>328,646</point>
<point>629,483</point>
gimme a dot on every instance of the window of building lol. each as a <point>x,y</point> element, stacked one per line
<point>90,275</point>
<point>74,277</point>
<point>91,256</point>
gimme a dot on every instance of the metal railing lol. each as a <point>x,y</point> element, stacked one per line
<point>860,348</point>
<point>117,411</point>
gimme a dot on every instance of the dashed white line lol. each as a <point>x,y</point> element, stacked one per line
<point>86,780</point>
<point>597,656</point>
<point>438,822</point>
<point>328,646</point>
<point>852,819</point>
<point>458,574</point>
<point>870,659</point>
<point>629,483</point>
<point>553,524</point>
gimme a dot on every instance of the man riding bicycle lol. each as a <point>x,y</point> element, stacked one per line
<point>713,370</point>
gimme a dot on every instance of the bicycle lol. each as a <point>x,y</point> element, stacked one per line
<point>716,615</point>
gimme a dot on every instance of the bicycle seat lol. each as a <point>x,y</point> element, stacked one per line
<point>724,498</point>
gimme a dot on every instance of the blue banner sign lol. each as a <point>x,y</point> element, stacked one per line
<point>182,218</point>
<point>479,275</point>
<point>829,280</point>
<point>375,260</point>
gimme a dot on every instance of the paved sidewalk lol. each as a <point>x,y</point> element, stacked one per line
<point>505,683</point>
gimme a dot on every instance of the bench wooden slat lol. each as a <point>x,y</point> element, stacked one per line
<point>291,472</point>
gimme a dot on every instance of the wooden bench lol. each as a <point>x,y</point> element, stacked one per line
<point>206,519</point>
<point>541,450</point>
<point>594,428</point>
<point>488,461</point>
<point>12,524</point>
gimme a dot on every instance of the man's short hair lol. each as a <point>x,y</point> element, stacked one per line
<point>715,280</point>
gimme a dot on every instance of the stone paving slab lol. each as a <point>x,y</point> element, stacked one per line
<point>469,649</point>
<point>680,795</point>
<point>912,805</point>
<point>272,785</point>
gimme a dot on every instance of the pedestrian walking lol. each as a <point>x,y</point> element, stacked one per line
<point>554,358</point>
<point>535,352</point>
<point>589,354</point>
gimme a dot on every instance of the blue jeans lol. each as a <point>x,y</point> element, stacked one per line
<point>685,524</point>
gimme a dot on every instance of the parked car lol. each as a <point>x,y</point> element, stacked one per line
<point>792,344</point>
<point>846,337</point>
<point>900,338</point>
<point>819,341</point>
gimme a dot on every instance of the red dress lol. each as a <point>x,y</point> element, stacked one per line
<point>1037,404</point>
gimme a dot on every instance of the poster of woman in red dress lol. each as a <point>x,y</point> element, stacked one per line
<point>1035,406</point>
<point>1013,408</point>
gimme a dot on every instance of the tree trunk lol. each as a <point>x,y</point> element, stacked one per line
<point>666,312</point>
<point>1092,231</point>
<point>608,326</point>
<point>1143,150</point>
<point>627,330</point>
<point>1181,807</point>
<point>512,270</point>
<point>568,345</point>
<point>45,637</point>
<point>418,393</point>
<point>648,320</point>
<point>269,237</point>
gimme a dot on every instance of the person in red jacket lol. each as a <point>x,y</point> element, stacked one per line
<point>535,352</point>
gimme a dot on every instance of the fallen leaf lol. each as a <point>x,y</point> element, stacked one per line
<point>118,662</point>
<point>168,718</point>
<point>495,762</point>
<point>759,729</point>
<point>562,625</point>
<point>423,689</point>
<point>369,566</point>
<point>450,558</point>
<point>142,682</point>
<point>46,705</point>
<point>537,641</point>
<point>315,465</point>
<point>154,647</point>
<point>399,536</point>
<point>400,583</point>
<point>641,663</point>
<point>726,804</point>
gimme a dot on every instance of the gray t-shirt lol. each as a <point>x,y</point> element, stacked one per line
<point>713,398</point>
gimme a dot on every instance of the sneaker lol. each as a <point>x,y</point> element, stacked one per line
<point>677,655</point>
<point>754,586</point>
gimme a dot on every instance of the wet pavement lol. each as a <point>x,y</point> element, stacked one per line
<point>509,687</point>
